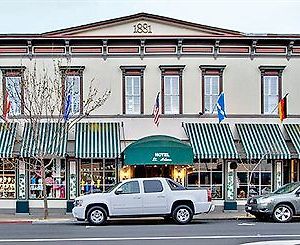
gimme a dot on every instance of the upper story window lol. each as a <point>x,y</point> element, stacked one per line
<point>212,86</point>
<point>171,89</point>
<point>271,88</point>
<point>133,89</point>
<point>73,86</point>
<point>12,86</point>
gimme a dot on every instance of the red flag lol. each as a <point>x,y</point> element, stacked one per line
<point>156,112</point>
<point>282,108</point>
<point>6,107</point>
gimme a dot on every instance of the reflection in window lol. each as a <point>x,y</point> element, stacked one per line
<point>171,94</point>
<point>55,174</point>
<point>260,183</point>
<point>13,88</point>
<point>96,176</point>
<point>211,176</point>
<point>73,89</point>
<point>7,180</point>
<point>130,187</point>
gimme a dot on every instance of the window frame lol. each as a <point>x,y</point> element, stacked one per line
<point>132,95</point>
<point>72,71</point>
<point>270,71</point>
<point>171,70</point>
<point>13,71</point>
<point>210,70</point>
<point>132,71</point>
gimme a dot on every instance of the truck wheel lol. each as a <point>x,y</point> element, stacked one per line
<point>182,214</point>
<point>97,216</point>
<point>282,213</point>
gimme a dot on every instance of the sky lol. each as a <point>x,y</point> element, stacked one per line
<point>249,16</point>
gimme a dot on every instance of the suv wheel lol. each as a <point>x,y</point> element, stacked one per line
<point>97,216</point>
<point>182,214</point>
<point>282,213</point>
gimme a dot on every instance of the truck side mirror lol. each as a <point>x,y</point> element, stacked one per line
<point>298,192</point>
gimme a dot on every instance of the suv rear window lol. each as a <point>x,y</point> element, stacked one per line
<point>151,186</point>
<point>174,185</point>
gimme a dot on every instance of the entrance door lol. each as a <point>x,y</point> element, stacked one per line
<point>148,171</point>
<point>128,201</point>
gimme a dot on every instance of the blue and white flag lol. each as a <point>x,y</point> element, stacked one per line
<point>67,108</point>
<point>221,107</point>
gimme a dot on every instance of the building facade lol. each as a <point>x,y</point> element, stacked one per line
<point>140,58</point>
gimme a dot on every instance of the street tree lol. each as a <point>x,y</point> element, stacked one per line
<point>46,100</point>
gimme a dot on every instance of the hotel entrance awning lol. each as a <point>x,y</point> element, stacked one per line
<point>158,150</point>
<point>263,141</point>
<point>7,139</point>
<point>47,139</point>
<point>211,140</point>
<point>97,140</point>
<point>293,131</point>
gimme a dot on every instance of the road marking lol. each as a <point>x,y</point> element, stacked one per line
<point>246,224</point>
<point>286,242</point>
<point>139,238</point>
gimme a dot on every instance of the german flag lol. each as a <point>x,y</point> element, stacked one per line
<point>282,108</point>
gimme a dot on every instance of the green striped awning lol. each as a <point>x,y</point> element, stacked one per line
<point>211,140</point>
<point>7,139</point>
<point>293,131</point>
<point>97,140</point>
<point>263,140</point>
<point>45,140</point>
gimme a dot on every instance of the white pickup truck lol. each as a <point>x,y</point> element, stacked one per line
<point>143,197</point>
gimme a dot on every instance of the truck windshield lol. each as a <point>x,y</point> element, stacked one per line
<point>288,188</point>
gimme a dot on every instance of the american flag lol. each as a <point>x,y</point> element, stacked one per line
<point>156,113</point>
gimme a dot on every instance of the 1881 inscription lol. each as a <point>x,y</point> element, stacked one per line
<point>142,28</point>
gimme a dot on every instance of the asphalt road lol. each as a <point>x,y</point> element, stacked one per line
<point>138,232</point>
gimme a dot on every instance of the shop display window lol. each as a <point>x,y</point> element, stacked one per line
<point>261,179</point>
<point>96,175</point>
<point>211,176</point>
<point>55,180</point>
<point>7,180</point>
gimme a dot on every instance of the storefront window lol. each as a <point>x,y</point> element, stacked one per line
<point>55,180</point>
<point>96,176</point>
<point>7,180</point>
<point>211,176</point>
<point>261,179</point>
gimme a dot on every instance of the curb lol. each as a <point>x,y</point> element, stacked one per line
<point>16,222</point>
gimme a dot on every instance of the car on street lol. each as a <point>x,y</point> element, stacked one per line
<point>280,205</point>
<point>142,197</point>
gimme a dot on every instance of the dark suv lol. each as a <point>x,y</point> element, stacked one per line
<point>281,205</point>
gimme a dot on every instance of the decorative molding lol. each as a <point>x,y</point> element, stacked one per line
<point>122,50</point>
<point>67,48</point>
<point>104,49</point>
<point>197,49</point>
<point>49,50</point>
<point>216,48</point>
<point>253,48</point>
<point>179,68</point>
<point>29,45</point>
<point>86,49</point>
<point>14,50</point>
<point>160,49</point>
<point>296,50</point>
<point>270,50</point>
<point>206,68</point>
<point>290,50</point>
<point>179,48</point>
<point>234,50</point>
<point>142,49</point>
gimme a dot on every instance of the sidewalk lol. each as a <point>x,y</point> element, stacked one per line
<point>68,218</point>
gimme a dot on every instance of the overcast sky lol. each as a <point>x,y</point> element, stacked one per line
<point>251,16</point>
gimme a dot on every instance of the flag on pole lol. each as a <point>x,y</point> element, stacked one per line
<point>6,107</point>
<point>156,112</point>
<point>221,107</point>
<point>67,108</point>
<point>282,108</point>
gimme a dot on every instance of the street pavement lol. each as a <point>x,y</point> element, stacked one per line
<point>153,231</point>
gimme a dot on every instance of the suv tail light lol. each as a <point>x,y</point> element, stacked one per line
<point>208,195</point>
